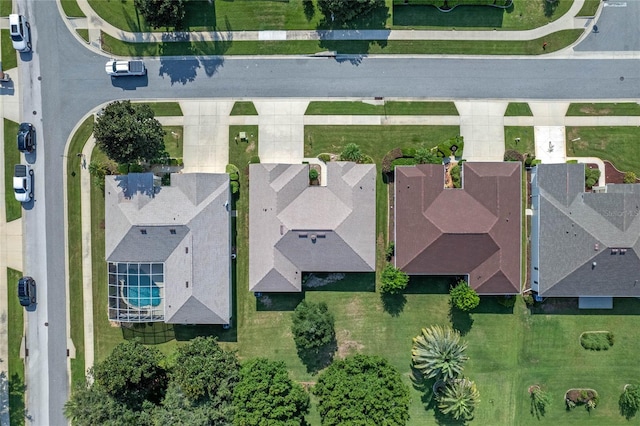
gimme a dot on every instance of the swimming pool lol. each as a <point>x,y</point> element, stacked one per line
<point>140,291</point>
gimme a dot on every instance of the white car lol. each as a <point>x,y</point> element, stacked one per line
<point>19,32</point>
<point>122,68</point>
<point>23,182</point>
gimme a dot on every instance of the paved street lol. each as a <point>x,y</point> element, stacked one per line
<point>68,80</point>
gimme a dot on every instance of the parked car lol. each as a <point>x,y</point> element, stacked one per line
<point>19,31</point>
<point>123,68</point>
<point>26,137</point>
<point>26,291</point>
<point>23,182</point>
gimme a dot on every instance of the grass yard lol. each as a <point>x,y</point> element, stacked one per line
<point>166,109</point>
<point>13,208</point>
<point>619,145</point>
<point>173,141</point>
<point>74,236</point>
<point>555,41</point>
<point>388,108</point>
<point>523,15</point>
<point>84,33</point>
<point>610,109</point>
<point>71,9</point>
<point>5,7</point>
<point>526,143</point>
<point>243,108</point>
<point>15,321</point>
<point>589,8</point>
<point>8,53</point>
<point>518,109</point>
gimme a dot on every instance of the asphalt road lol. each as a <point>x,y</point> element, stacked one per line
<point>618,28</point>
<point>74,82</point>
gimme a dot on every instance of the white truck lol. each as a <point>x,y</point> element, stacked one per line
<point>124,68</point>
<point>23,182</point>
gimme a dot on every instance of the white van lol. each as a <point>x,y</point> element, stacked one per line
<point>19,31</point>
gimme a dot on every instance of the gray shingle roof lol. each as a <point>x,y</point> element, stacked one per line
<point>196,256</point>
<point>587,243</point>
<point>294,227</point>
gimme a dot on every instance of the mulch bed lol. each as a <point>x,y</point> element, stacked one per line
<point>612,174</point>
<point>576,395</point>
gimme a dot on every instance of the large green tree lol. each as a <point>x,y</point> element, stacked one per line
<point>362,390</point>
<point>459,399</point>
<point>129,132</point>
<point>265,395</point>
<point>438,353</point>
<point>161,13</point>
<point>312,326</point>
<point>345,11</point>
<point>132,374</point>
<point>629,401</point>
<point>393,280</point>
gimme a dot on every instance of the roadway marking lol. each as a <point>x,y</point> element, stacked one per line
<point>615,4</point>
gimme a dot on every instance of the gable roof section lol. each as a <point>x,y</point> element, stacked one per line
<point>588,242</point>
<point>474,230</point>
<point>295,228</point>
<point>186,226</point>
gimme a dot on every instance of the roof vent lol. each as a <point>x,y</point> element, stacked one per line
<point>143,231</point>
<point>313,237</point>
<point>623,251</point>
<point>614,251</point>
<point>172,231</point>
<point>302,235</point>
<point>593,265</point>
<point>596,246</point>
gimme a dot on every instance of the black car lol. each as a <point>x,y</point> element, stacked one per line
<point>26,137</point>
<point>26,291</point>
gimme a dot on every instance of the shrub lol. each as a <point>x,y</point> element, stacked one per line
<point>254,159</point>
<point>325,157</point>
<point>313,174</point>
<point>425,156</point>
<point>351,152</point>
<point>235,186</point>
<point>529,160</point>
<point>234,177</point>
<point>232,168</point>
<point>446,147</point>
<point>408,152</point>
<point>388,159</point>
<point>630,177</point>
<point>366,160</point>
<point>539,401</point>
<point>629,401</point>
<point>595,341</point>
<point>513,155</point>
<point>572,161</point>
<point>404,161</point>
<point>591,177</point>
<point>528,299</point>
<point>464,297</point>
<point>393,280</point>
<point>166,179</point>
<point>455,176</point>
<point>391,249</point>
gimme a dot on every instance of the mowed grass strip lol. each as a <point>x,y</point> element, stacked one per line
<point>526,144</point>
<point>74,236</point>
<point>518,109</point>
<point>388,108</point>
<point>15,322</point>
<point>8,53</point>
<point>243,108</point>
<point>173,140</point>
<point>589,8</point>
<point>555,41</point>
<point>71,9</point>
<point>165,109</point>
<point>13,208</point>
<point>606,109</point>
<point>619,145</point>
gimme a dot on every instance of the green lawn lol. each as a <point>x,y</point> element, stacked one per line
<point>9,55</point>
<point>555,41</point>
<point>619,145</point>
<point>15,321</point>
<point>166,109</point>
<point>84,33</point>
<point>388,108</point>
<point>173,140</point>
<point>243,108</point>
<point>524,15</point>
<point>13,208</point>
<point>589,8</point>
<point>526,144</point>
<point>518,109</point>
<point>617,109</point>
<point>5,7</point>
<point>71,9</point>
<point>76,304</point>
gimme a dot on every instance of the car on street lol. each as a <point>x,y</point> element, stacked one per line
<point>26,291</point>
<point>19,31</point>
<point>124,68</point>
<point>26,137</point>
<point>23,182</point>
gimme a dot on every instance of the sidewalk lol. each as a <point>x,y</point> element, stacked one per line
<point>95,24</point>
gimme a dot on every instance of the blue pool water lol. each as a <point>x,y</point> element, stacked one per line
<point>142,293</point>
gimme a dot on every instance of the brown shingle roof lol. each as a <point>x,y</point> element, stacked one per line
<point>474,230</point>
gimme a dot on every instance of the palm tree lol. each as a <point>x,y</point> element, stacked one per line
<point>438,353</point>
<point>459,399</point>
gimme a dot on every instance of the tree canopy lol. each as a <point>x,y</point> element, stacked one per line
<point>464,297</point>
<point>362,390</point>
<point>161,13</point>
<point>312,325</point>
<point>129,132</point>
<point>266,395</point>
<point>438,353</point>
<point>345,11</point>
<point>393,280</point>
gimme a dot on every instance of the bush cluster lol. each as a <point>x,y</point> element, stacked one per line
<point>591,177</point>
<point>464,297</point>
<point>595,341</point>
<point>324,157</point>
<point>313,174</point>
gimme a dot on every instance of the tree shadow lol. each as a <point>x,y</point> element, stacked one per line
<point>309,9</point>
<point>278,301</point>
<point>393,304</point>
<point>318,358</point>
<point>17,411</point>
<point>550,7</point>
<point>153,333</point>
<point>425,387</point>
<point>446,420</point>
<point>348,281</point>
<point>460,320</point>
